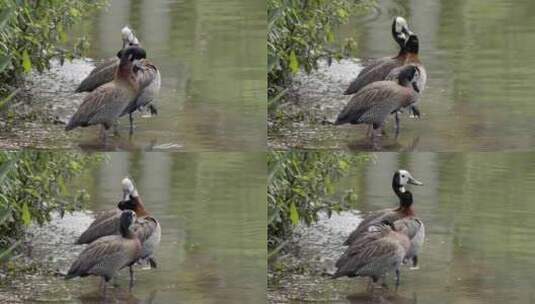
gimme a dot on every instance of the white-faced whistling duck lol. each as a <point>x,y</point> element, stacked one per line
<point>379,69</point>
<point>108,222</point>
<point>148,77</point>
<point>109,254</point>
<point>376,101</point>
<point>146,228</point>
<point>403,215</point>
<point>105,71</point>
<point>105,104</point>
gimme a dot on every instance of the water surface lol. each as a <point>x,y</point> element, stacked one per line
<point>479,94</point>
<point>477,209</point>
<point>211,55</point>
<point>211,207</point>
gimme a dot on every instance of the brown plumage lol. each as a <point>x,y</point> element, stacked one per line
<point>105,71</point>
<point>379,69</point>
<point>105,104</point>
<point>107,255</point>
<point>376,253</point>
<point>375,102</point>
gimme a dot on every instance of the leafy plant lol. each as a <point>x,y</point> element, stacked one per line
<point>33,32</point>
<point>32,186</point>
<point>300,186</point>
<point>300,32</point>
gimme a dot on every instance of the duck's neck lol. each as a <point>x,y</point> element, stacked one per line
<point>125,232</point>
<point>140,208</point>
<point>412,57</point>
<point>405,199</point>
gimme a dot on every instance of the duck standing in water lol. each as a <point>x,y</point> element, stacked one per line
<point>375,253</point>
<point>401,217</point>
<point>109,254</point>
<point>376,101</point>
<point>105,104</point>
<point>379,69</point>
<point>149,79</point>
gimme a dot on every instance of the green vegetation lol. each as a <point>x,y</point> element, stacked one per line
<point>32,186</point>
<point>302,32</point>
<point>300,186</point>
<point>33,32</point>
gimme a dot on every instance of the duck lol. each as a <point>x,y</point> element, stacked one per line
<point>149,79</point>
<point>379,69</point>
<point>375,254</point>
<point>412,47</point>
<point>108,221</point>
<point>146,228</point>
<point>104,105</point>
<point>105,71</point>
<point>376,101</point>
<point>400,180</point>
<point>107,255</point>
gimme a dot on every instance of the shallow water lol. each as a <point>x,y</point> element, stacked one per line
<point>211,55</point>
<point>479,248</point>
<point>211,207</point>
<point>479,59</point>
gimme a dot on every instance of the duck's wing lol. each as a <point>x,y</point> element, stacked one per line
<point>372,73</point>
<point>149,79</point>
<point>109,226</point>
<point>374,218</point>
<point>101,74</point>
<point>148,231</point>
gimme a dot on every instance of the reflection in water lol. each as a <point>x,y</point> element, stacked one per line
<point>480,246</point>
<point>116,295</point>
<point>479,58</point>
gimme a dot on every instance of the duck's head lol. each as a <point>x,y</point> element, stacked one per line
<point>400,31</point>
<point>403,178</point>
<point>129,190</point>
<point>132,53</point>
<point>128,217</point>
<point>128,37</point>
<point>410,74</point>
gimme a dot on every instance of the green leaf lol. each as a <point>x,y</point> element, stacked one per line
<point>26,216</point>
<point>294,63</point>
<point>294,216</point>
<point>26,62</point>
<point>5,168</point>
<point>5,254</point>
<point>8,98</point>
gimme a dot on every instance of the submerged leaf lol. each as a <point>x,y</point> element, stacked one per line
<point>26,216</point>
<point>294,63</point>
<point>294,216</point>
<point>26,62</point>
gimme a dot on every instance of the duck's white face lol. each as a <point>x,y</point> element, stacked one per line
<point>406,178</point>
<point>128,189</point>
<point>128,37</point>
<point>401,28</point>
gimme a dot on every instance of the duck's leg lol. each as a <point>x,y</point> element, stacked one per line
<point>415,112</point>
<point>397,124</point>
<point>397,278</point>
<point>131,118</point>
<point>102,133</point>
<point>153,109</point>
<point>415,262</point>
<point>116,129</point>
<point>152,262</point>
<point>131,276</point>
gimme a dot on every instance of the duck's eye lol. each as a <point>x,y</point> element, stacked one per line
<point>403,176</point>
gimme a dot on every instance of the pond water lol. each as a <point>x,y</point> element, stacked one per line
<point>211,55</point>
<point>211,207</point>
<point>479,95</point>
<point>479,248</point>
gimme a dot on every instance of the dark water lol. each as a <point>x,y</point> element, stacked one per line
<point>211,207</point>
<point>477,209</point>
<point>479,96</point>
<point>211,55</point>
